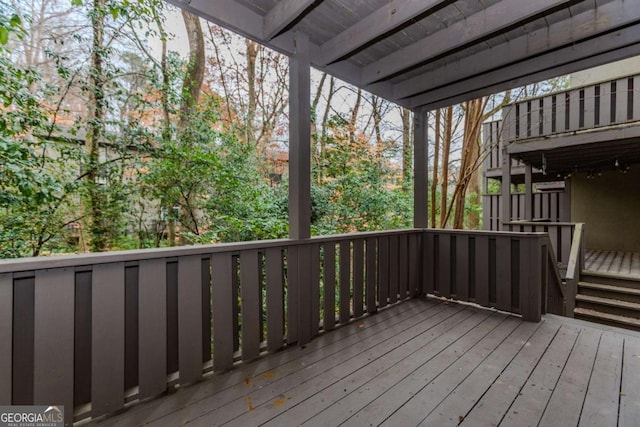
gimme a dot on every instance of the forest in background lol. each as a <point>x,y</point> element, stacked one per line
<point>111,140</point>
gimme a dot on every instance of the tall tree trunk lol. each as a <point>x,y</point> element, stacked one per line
<point>407,148</point>
<point>436,165</point>
<point>95,131</point>
<point>470,152</point>
<point>315,146</point>
<point>324,124</point>
<point>446,150</point>
<point>191,88</point>
<point>354,117</point>
<point>194,76</point>
<point>377,119</point>
<point>252,49</point>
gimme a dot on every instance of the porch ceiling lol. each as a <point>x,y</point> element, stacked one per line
<point>431,53</point>
<point>583,157</point>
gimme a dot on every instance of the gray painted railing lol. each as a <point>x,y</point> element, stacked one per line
<point>560,236</point>
<point>93,332</point>
<point>547,206</point>
<point>604,104</point>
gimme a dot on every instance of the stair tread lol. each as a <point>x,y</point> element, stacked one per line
<point>607,316</point>
<point>609,301</point>
<point>620,276</point>
<point>609,288</point>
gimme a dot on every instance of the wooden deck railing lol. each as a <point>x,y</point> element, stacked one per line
<point>560,236</point>
<point>548,206</point>
<point>604,104</point>
<point>93,332</point>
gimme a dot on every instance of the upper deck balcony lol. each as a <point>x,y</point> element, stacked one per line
<point>602,118</point>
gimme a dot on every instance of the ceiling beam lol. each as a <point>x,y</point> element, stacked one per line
<point>283,14</point>
<point>579,27</point>
<point>612,47</point>
<point>387,19</point>
<point>485,24</point>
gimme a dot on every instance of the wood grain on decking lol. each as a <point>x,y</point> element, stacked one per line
<point>616,263</point>
<point>423,362</point>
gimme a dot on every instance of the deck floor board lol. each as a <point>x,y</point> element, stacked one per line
<point>616,263</point>
<point>422,362</point>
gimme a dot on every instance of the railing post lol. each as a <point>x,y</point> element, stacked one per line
<point>533,281</point>
<point>505,217</point>
<point>528,192</point>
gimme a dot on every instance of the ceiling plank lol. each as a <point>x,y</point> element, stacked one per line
<point>282,15</point>
<point>489,22</point>
<point>611,47</point>
<point>383,21</point>
<point>579,27</point>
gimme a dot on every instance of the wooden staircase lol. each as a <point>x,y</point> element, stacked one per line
<point>609,299</point>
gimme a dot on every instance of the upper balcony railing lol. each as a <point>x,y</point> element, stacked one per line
<point>609,103</point>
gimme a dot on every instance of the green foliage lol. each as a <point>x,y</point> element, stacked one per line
<point>358,193</point>
<point>30,197</point>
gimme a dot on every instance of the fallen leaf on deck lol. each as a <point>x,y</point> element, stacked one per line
<point>249,403</point>
<point>279,401</point>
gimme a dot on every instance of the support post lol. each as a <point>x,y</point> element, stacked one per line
<point>420,168</point>
<point>505,214</point>
<point>528,193</point>
<point>300,139</point>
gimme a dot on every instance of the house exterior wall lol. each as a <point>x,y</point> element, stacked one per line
<point>609,205</point>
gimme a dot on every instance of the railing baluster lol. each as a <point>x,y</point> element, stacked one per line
<point>621,100</point>
<point>394,270</point>
<point>315,289</point>
<point>6,336</point>
<point>403,265</point>
<point>444,265</point>
<point>189,318</point>
<point>636,98</point>
<point>107,348</point>
<point>462,267</point>
<point>383,271</point>
<point>429,263</point>
<point>251,302</point>
<point>371,269</point>
<point>131,331</point>
<point>358,277</point>
<point>345,281</point>
<point>329,285</point>
<point>152,329</point>
<point>305,325</point>
<point>275,299</point>
<point>415,265</point>
<point>205,315</point>
<point>82,344</point>
<point>503,273</point>
<point>223,301</point>
<point>53,338</point>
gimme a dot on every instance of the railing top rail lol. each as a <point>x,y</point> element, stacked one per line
<point>72,260</point>
<point>485,232</point>
<point>79,260</point>
<point>543,223</point>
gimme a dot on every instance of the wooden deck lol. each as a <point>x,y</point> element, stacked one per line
<point>616,263</point>
<point>423,362</point>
